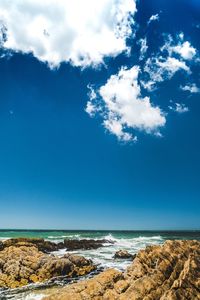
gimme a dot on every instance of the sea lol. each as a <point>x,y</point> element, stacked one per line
<point>132,241</point>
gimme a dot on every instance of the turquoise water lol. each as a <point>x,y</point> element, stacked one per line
<point>61,234</point>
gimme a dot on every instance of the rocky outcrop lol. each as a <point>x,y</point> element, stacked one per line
<point>23,263</point>
<point>48,246</point>
<point>167,272</point>
<point>41,244</point>
<point>124,254</point>
<point>84,244</point>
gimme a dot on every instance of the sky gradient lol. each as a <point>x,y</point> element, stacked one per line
<point>61,169</point>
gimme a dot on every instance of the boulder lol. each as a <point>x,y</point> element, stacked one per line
<point>167,272</point>
<point>21,264</point>
<point>124,254</point>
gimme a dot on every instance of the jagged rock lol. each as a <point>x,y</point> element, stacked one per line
<point>24,263</point>
<point>124,254</point>
<point>41,244</point>
<point>84,244</point>
<point>167,272</point>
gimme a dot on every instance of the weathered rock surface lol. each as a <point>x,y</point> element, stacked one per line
<point>23,263</point>
<point>124,254</point>
<point>167,272</point>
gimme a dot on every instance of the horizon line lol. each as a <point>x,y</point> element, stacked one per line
<point>133,230</point>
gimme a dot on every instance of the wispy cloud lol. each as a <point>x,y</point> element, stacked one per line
<point>143,48</point>
<point>191,87</point>
<point>184,48</point>
<point>173,56</point>
<point>153,18</point>
<point>160,69</point>
<point>179,108</point>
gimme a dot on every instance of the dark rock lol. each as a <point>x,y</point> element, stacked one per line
<point>41,244</point>
<point>1,245</point>
<point>48,246</point>
<point>84,244</point>
<point>124,254</point>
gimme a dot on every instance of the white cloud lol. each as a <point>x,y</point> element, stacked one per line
<point>55,31</point>
<point>153,18</point>
<point>123,108</point>
<point>179,46</point>
<point>173,57</point>
<point>192,88</point>
<point>143,48</point>
<point>179,108</point>
<point>91,107</point>
<point>160,69</point>
<point>185,50</point>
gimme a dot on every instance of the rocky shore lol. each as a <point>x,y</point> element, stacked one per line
<point>25,260</point>
<point>167,272</point>
<point>160,272</point>
<point>48,246</point>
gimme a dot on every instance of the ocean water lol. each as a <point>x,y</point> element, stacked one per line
<point>132,241</point>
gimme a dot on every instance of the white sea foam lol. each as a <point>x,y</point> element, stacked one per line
<point>74,236</point>
<point>4,238</point>
<point>104,256</point>
<point>33,296</point>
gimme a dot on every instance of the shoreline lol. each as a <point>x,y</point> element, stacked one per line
<point>44,248</point>
<point>166,272</point>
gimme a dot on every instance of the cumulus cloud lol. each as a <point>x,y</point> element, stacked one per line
<point>79,32</point>
<point>123,108</point>
<point>179,108</point>
<point>192,88</point>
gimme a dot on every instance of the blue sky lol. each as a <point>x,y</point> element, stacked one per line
<point>104,134</point>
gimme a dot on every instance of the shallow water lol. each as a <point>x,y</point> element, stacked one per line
<point>132,241</point>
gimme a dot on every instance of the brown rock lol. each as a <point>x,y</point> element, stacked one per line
<point>94,288</point>
<point>124,254</point>
<point>22,264</point>
<point>41,244</point>
<point>167,272</point>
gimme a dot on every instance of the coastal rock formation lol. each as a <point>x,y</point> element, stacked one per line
<point>84,244</point>
<point>124,254</point>
<point>167,272</point>
<point>48,246</point>
<point>23,263</point>
<point>41,244</point>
